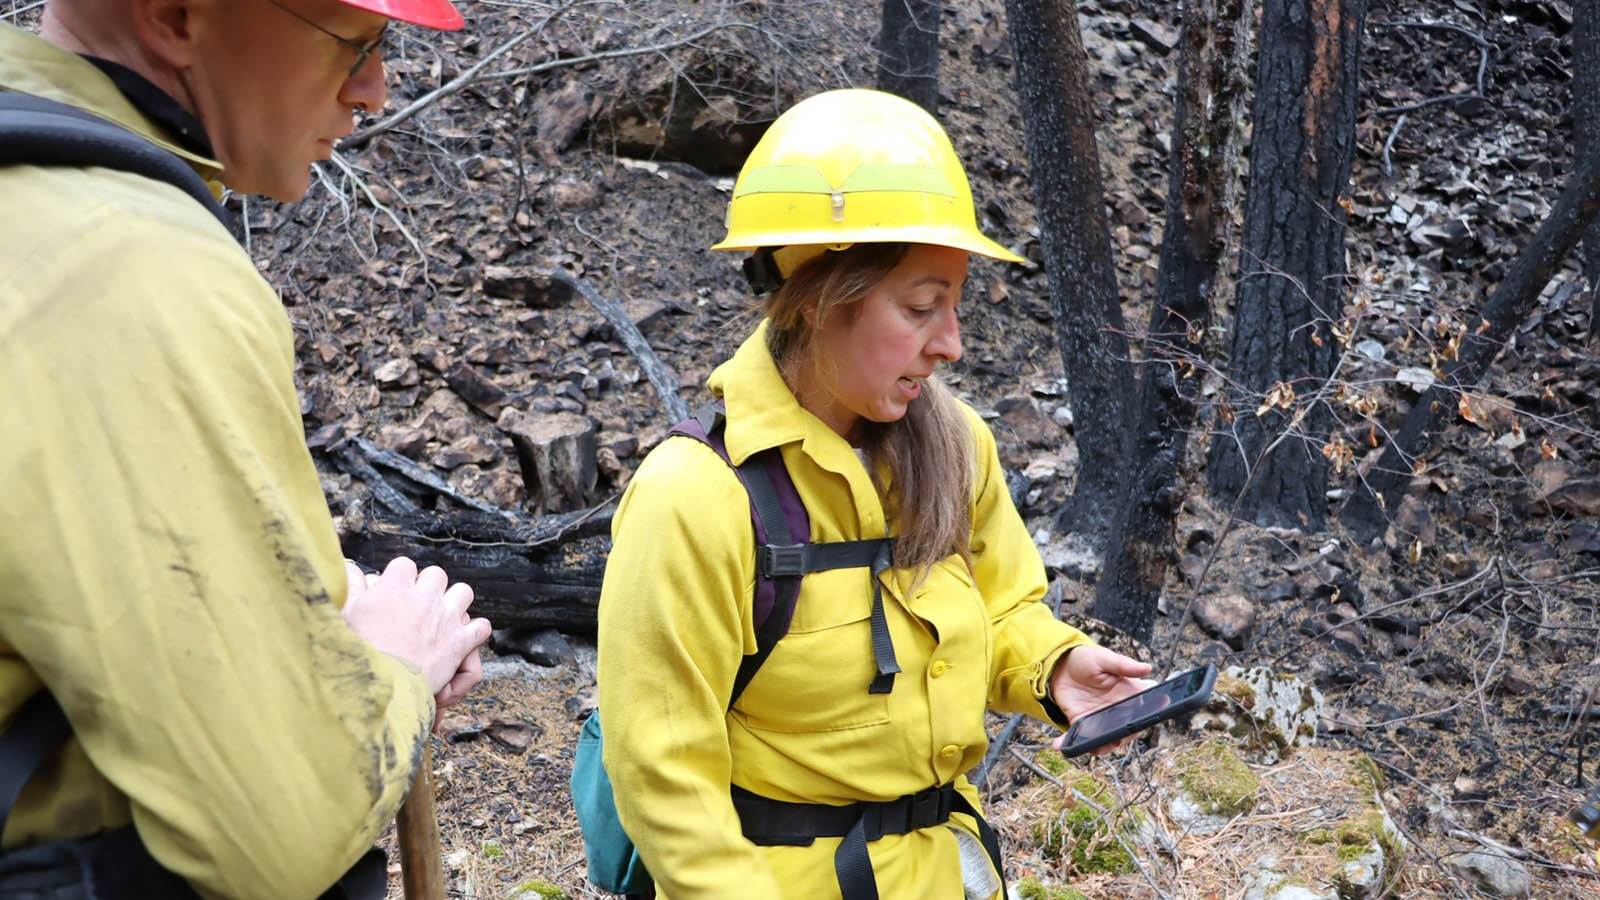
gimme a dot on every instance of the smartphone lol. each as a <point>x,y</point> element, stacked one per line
<point>1174,697</point>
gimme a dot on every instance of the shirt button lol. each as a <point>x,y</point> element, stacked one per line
<point>938,668</point>
<point>950,751</point>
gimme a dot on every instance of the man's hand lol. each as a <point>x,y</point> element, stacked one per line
<point>422,619</point>
<point>1089,677</point>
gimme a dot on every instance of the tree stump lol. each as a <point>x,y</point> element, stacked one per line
<point>557,454</point>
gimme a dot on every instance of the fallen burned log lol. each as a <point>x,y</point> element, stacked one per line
<point>539,572</point>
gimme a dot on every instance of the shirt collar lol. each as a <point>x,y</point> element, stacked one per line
<point>182,125</point>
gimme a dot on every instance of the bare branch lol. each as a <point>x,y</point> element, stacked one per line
<point>454,85</point>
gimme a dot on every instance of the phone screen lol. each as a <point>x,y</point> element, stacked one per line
<point>1171,697</point>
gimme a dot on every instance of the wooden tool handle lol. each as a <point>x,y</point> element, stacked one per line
<point>417,826</point>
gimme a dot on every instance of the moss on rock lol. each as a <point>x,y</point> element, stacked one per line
<point>537,890</point>
<point>1216,779</point>
<point>1031,888</point>
<point>1073,829</point>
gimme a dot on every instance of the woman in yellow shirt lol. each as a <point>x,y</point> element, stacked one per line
<point>859,215</point>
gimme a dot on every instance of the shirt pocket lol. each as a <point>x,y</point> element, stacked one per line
<point>952,607</point>
<point>817,677</point>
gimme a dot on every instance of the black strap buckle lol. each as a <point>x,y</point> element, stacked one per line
<point>913,812</point>
<point>930,807</point>
<point>781,560</point>
<point>761,272</point>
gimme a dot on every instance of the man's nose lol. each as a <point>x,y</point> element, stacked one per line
<point>368,89</point>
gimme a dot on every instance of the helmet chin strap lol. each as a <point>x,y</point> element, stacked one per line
<point>769,267</point>
<point>761,272</point>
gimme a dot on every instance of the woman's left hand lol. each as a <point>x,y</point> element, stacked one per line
<point>1090,676</point>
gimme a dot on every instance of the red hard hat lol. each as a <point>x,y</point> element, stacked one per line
<point>427,13</point>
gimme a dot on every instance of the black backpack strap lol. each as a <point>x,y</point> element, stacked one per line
<point>882,646</point>
<point>782,559</point>
<point>772,823</point>
<point>37,730</point>
<point>785,587</point>
<point>786,562</point>
<point>37,131</point>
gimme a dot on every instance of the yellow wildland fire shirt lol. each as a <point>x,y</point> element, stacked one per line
<point>168,567</point>
<point>675,621</point>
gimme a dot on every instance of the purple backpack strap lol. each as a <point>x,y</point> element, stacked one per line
<point>785,553</point>
<point>774,600</point>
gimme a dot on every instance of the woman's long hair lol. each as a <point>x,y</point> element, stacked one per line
<point>922,464</point>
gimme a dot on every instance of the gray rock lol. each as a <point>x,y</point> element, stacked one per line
<point>544,647</point>
<point>1268,713</point>
<point>1230,618</point>
<point>1029,423</point>
<point>396,373</point>
<point>1267,883</point>
<point>1496,874</point>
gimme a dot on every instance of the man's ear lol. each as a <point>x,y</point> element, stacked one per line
<point>166,29</point>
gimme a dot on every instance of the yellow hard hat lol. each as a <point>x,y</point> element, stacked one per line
<point>854,166</point>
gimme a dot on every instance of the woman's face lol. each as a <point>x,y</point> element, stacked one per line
<point>867,361</point>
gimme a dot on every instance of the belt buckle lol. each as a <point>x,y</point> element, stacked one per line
<point>781,560</point>
<point>925,808</point>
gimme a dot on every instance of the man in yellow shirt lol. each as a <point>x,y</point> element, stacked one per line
<point>169,571</point>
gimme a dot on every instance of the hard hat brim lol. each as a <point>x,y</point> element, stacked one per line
<point>943,237</point>
<point>440,15</point>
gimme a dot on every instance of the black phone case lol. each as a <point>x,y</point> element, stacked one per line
<point>1187,704</point>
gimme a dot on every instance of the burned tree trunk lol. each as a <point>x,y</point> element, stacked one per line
<point>1211,87</point>
<point>1510,304</point>
<point>908,51</point>
<point>1586,124</point>
<point>1059,123</point>
<point>1267,453</point>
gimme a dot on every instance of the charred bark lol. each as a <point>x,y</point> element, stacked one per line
<point>1059,123</point>
<point>1291,284</point>
<point>1586,124</point>
<point>908,51</point>
<point>1511,303</point>
<point>533,571</point>
<point>1212,82</point>
<point>542,573</point>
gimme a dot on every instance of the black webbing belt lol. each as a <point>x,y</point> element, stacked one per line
<point>771,823</point>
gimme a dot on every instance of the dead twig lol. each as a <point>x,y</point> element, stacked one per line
<point>616,54</point>
<point>1388,144</point>
<point>476,72</point>
<point>460,81</point>
<point>1483,67</point>
<point>352,173</point>
<point>996,747</point>
<point>17,12</point>
<point>423,476</point>
<point>662,378</point>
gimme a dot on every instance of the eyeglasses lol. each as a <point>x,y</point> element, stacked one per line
<point>362,50</point>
